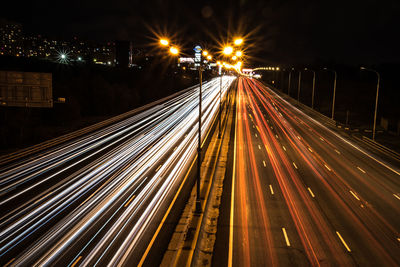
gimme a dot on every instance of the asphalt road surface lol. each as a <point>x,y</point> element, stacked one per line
<point>95,200</point>
<point>302,195</point>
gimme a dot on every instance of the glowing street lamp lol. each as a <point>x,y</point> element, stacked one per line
<point>239,53</point>
<point>228,50</point>
<point>234,58</point>
<point>174,50</point>
<point>238,41</point>
<point>164,42</point>
<point>205,53</point>
<point>209,57</point>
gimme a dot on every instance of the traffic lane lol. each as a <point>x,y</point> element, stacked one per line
<point>318,237</point>
<point>213,105</point>
<point>287,248</point>
<point>366,180</point>
<point>25,193</point>
<point>375,241</point>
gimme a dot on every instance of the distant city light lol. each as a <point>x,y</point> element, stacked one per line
<point>209,57</point>
<point>63,56</point>
<point>234,57</point>
<point>79,59</point>
<point>205,53</point>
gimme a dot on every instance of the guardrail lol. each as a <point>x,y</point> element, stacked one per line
<point>380,147</point>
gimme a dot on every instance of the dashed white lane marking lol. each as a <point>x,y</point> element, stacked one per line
<point>361,170</point>
<point>337,151</point>
<point>310,149</point>
<point>272,190</point>
<point>311,192</point>
<point>396,196</point>
<point>265,164</point>
<point>259,147</point>
<point>326,166</point>
<point>322,139</point>
<point>344,243</point>
<point>286,237</point>
<point>354,195</point>
<point>158,168</point>
<point>284,148</point>
<point>294,164</point>
<point>256,135</point>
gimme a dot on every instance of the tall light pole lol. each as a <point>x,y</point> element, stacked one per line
<point>290,76</point>
<point>334,92</point>
<point>376,99</point>
<point>220,100</point>
<point>298,87</point>
<point>198,202</point>
<point>313,88</point>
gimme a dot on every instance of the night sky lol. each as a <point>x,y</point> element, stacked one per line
<point>277,32</point>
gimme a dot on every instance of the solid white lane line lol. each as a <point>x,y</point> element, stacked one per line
<point>311,192</point>
<point>344,243</point>
<point>286,237</point>
<point>354,195</point>
<point>294,164</point>
<point>271,189</point>
<point>361,169</point>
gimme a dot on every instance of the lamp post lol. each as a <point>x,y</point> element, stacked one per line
<point>334,92</point>
<point>290,76</point>
<point>198,202</point>
<point>376,99</point>
<point>220,100</point>
<point>298,88</point>
<point>313,88</point>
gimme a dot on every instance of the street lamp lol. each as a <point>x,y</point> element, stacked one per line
<point>238,41</point>
<point>239,53</point>
<point>334,92</point>
<point>174,50</point>
<point>290,76</point>
<point>376,98</point>
<point>164,42</point>
<point>298,87</point>
<point>313,88</point>
<point>228,50</point>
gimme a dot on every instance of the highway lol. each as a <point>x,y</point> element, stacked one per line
<point>301,195</point>
<point>98,199</point>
